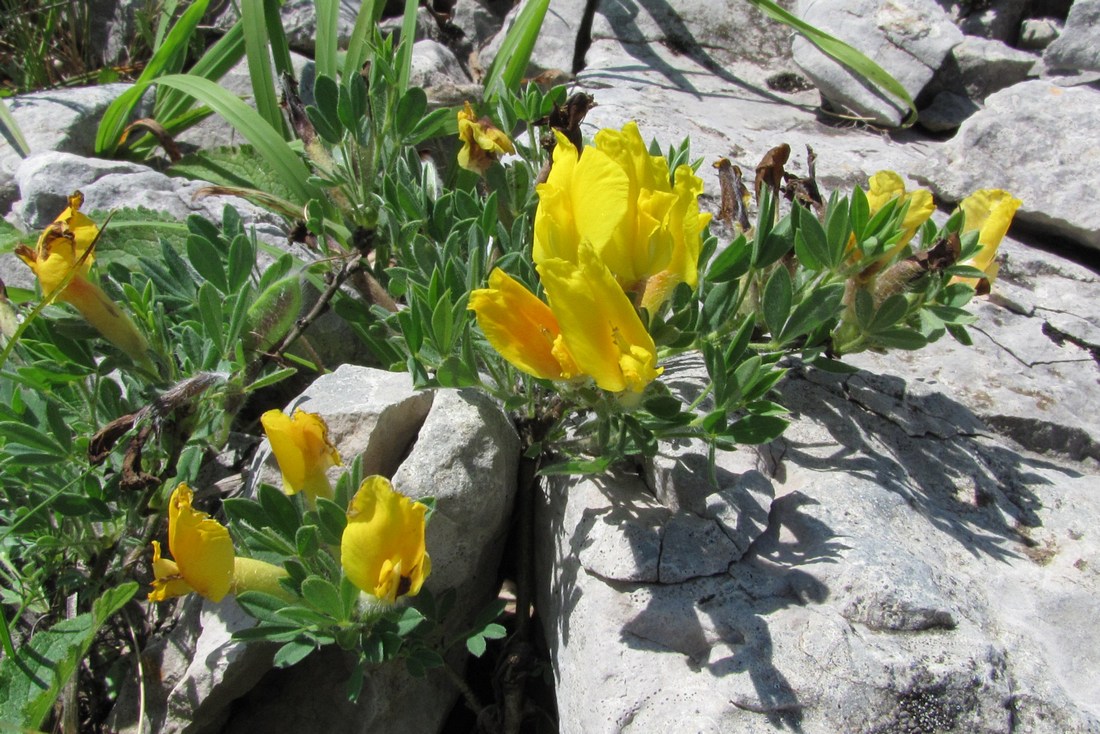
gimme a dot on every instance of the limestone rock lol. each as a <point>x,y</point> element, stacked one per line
<point>978,67</point>
<point>53,120</point>
<point>909,40</point>
<point>1078,47</point>
<point>1038,141</point>
<point>998,19</point>
<point>1036,34</point>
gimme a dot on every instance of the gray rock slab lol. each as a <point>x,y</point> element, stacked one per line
<point>1038,141</point>
<point>909,40</point>
<point>978,67</point>
<point>1032,372</point>
<point>1078,46</point>
<point>877,598</point>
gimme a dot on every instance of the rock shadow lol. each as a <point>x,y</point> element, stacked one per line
<point>928,449</point>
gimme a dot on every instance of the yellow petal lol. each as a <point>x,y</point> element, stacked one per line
<point>481,141</point>
<point>521,327</point>
<point>990,211</point>
<point>883,187</point>
<point>383,549</point>
<point>200,545</point>
<point>303,450</point>
<point>599,325</point>
<point>167,582</point>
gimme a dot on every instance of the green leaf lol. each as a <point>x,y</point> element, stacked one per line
<point>324,596</point>
<point>332,520</point>
<point>9,128</point>
<point>263,607</point>
<point>117,113</point>
<point>324,44</point>
<point>410,111</point>
<point>247,511</point>
<point>236,167</point>
<point>207,261</point>
<point>292,652</point>
<point>843,54</point>
<point>29,436</point>
<point>476,645</point>
<point>32,679</point>
<point>307,541</point>
<point>823,304</point>
<point>756,429</point>
<point>891,311</point>
<point>284,516</point>
<point>776,302</point>
<point>510,64</point>
<point>257,50</point>
<point>265,139</point>
<point>900,338</point>
<point>731,263</point>
<point>811,243</point>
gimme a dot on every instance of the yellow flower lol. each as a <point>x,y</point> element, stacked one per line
<point>618,199</point>
<point>202,550</point>
<point>522,328</point>
<point>990,211</point>
<point>64,253</point>
<point>482,142</point>
<point>382,549</point>
<point>204,559</point>
<point>302,448</point>
<point>599,325</point>
<point>884,187</point>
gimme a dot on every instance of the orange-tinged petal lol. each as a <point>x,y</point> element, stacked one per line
<point>521,327</point>
<point>482,142</point>
<point>302,449</point>
<point>599,325</point>
<point>383,549</point>
<point>201,547</point>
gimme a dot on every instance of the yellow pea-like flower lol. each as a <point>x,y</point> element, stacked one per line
<point>302,449</point>
<point>522,328</point>
<point>990,211</point>
<point>599,325</point>
<point>482,142</point>
<point>619,200</point>
<point>202,551</point>
<point>204,559</point>
<point>383,548</point>
<point>62,260</point>
<point>884,187</point>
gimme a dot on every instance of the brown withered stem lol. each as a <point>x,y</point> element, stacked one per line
<point>730,181</point>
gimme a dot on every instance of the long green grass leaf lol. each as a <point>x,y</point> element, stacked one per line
<point>263,137</point>
<point>118,112</point>
<point>10,130</point>
<point>369,13</point>
<point>213,64</point>
<point>843,54</point>
<point>276,36</point>
<point>510,63</point>
<point>258,52</point>
<point>324,47</point>
<point>404,51</point>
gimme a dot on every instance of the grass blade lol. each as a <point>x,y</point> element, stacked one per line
<point>118,113</point>
<point>258,51</point>
<point>324,53</point>
<point>510,63</point>
<point>843,54</point>
<point>9,128</point>
<point>369,13</point>
<point>404,51</point>
<point>218,59</point>
<point>247,121</point>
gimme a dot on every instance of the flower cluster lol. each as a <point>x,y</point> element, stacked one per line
<point>382,550</point>
<point>612,232</point>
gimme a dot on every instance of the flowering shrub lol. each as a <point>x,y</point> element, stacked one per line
<point>559,277</point>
